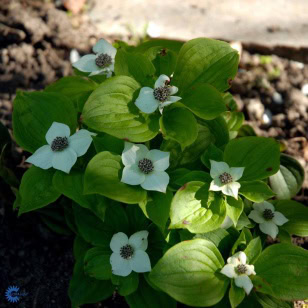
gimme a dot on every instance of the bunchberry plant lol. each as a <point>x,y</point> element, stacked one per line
<point>168,197</point>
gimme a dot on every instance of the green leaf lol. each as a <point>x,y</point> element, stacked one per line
<point>256,191</point>
<point>108,143</point>
<point>36,189</point>
<point>244,221</point>
<point>34,113</point>
<point>287,182</point>
<point>71,185</point>
<point>191,176</point>
<point>146,296</point>
<point>111,109</point>
<point>253,250</point>
<point>135,65</point>
<point>285,268</point>
<point>137,220</point>
<point>102,176</point>
<point>234,120</point>
<point>219,130</point>
<point>211,153</point>
<point>97,232</point>
<point>172,126</point>
<point>203,60</point>
<point>234,208</point>
<point>85,290</point>
<point>158,208</point>
<point>192,153</point>
<point>189,213</point>
<point>236,295</point>
<point>268,301</point>
<point>188,272</point>
<point>164,44</point>
<point>242,241</point>
<point>246,131</point>
<point>259,156</point>
<point>297,214</point>
<point>204,101</point>
<point>163,59</point>
<point>75,88</point>
<point>97,263</point>
<point>126,285</point>
<point>223,239</point>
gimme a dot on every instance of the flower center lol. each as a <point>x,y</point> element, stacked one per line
<point>146,165</point>
<point>59,144</point>
<point>225,178</point>
<point>162,93</point>
<point>241,269</point>
<point>268,214</point>
<point>126,252</point>
<point>103,60</point>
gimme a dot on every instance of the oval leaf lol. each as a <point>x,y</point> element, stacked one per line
<point>179,124</point>
<point>297,214</point>
<point>111,109</point>
<point>204,60</point>
<point>34,113</point>
<point>259,155</point>
<point>256,191</point>
<point>284,267</point>
<point>204,101</point>
<point>189,272</point>
<point>103,176</point>
<point>36,189</point>
<point>189,213</point>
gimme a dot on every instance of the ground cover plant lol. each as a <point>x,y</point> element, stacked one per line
<point>170,196</point>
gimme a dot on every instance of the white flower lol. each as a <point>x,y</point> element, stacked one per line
<point>144,167</point>
<point>268,219</point>
<point>62,149</point>
<point>224,178</point>
<point>129,254</point>
<point>102,62</point>
<point>150,99</point>
<point>239,270</point>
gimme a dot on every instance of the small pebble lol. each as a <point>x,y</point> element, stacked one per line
<point>74,55</point>
<point>277,98</point>
<point>267,117</point>
<point>305,89</point>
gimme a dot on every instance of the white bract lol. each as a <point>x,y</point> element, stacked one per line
<point>102,62</point>
<point>161,96</point>
<point>239,270</point>
<point>268,219</point>
<point>144,167</point>
<point>62,150</point>
<point>129,254</point>
<point>224,178</point>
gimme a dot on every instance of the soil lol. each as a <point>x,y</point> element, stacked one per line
<point>36,39</point>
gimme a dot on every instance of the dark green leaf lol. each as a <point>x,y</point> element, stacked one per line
<point>36,189</point>
<point>204,101</point>
<point>173,127</point>
<point>203,60</point>
<point>259,156</point>
<point>34,113</point>
<point>256,191</point>
<point>284,267</point>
